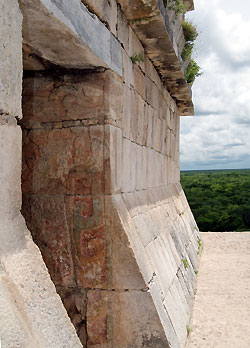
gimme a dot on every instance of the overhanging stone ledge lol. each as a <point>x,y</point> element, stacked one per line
<point>150,21</point>
<point>67,34</point>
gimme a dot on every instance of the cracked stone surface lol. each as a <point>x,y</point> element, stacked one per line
<point>222,308</point>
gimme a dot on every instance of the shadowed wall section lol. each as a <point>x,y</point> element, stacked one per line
<point>102,198</point>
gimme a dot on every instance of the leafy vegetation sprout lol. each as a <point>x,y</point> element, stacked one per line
<point>137,58</point>
<point>176,5</point>
<point>189,330</point>
<point>193,71</point>
<point>185,263</point>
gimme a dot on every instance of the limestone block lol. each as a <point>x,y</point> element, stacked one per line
<point>158,169</point>
<point>85,220</point>
<point>142,258</point>
<point>134,102</point>
<point>177,316</point>
<point>71,37</point>
<point>126,164</point>
<point>133,166</point>
<point>141,168</point>
<point>126,113</point>
<point>139,81</point>
<point>32,296</point>
<point>131,203</point>
<point>135,47</point>
<point>142,329</point>
<point>172,145</point>
<point>150,168</point>
<point>164,169</point>
<point>145,228</point>
<point>142,200</point>
<point>127,69</point>
<point>165,320</point>
<point>163,149</point>
<point>150,115</point>
<point>157,132</point>
<point>14,330</point>
<point>161,259</point>
<point>168,142</point>
<point>168,117</point>
<point>142,121</point>
<point>123,30</point>
<point>106,12</point>
<point>75,303</point>
<point>124,272</point>
<point>113,99</point>
<point>62,161</point>
<point>113,159</point>
<point>46,219</point>
<point>69,97</point>
<point>10,168</point>
<point>144,167</point>
<point>166,95</point>
<point>152,73</point>
<point>152,93</point>
<point>10,58</point>
<point>129,166</point>
<point>173,106</point>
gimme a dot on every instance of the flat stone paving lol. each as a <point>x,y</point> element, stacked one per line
<point>221,316</point>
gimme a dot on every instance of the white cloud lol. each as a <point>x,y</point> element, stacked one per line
<point>219,136</point>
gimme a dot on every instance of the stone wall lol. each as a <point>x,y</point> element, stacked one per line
<point>103,200</point>
<point>31,311</point>
<point>100,180</point>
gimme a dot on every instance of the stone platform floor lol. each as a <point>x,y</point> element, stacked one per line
<point>221,313</point>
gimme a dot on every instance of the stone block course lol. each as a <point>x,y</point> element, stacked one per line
<point>106,12</point>
<point>100,163</point>
<point>10,59</point>
<point>122,29</point>
<point>61,161</point>
<point>46,218</point>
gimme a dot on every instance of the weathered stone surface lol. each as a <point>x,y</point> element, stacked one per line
<point>61,161</point>
<point>106,10</point>
<point>85,218</point>
<point>165,242</point>
<point>124,273</point>
<point>65,38</point>
<point>113,159</point>
<point>30,297</point>
<point>101,153</point>
<point>10,168</point>
<point>75,302</point>
<point>10,59</point>
<point>152,25</point>
<point>123,29</point>
<point>46,219</point>
<point>80,97</point>
<point>143,329</point>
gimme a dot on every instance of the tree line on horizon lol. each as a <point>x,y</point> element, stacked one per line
<point>219,199</point>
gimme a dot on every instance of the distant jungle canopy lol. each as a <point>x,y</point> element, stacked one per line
<point>219,199</point>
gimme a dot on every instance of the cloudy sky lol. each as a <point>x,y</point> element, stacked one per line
<point>218,136</point>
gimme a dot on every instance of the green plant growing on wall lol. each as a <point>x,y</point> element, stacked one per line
<point>176,5</point>
<point>189,330</point>
<point>185,263</point>
<point>189,30</point>
<point>190,35</point>
<point>187,51</point>
<point>137,58</point>
<point>193,71</point>
<point>199,241</point>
